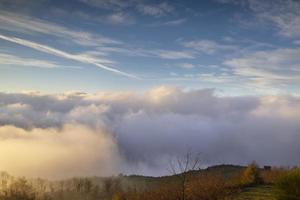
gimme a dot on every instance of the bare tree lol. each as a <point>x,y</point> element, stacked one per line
<point>180,167</point>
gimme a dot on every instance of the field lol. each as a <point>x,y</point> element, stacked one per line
<point>263,192</point>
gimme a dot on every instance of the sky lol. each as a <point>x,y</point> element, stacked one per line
<point>237,47</point>
<point>102,87</point>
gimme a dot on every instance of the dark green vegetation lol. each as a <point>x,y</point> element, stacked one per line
<point>218,182</point>
<point>288,186</point>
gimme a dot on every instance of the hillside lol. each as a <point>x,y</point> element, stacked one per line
<point>140,182</point>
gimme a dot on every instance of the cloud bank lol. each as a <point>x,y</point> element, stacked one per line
<point>74,150</point>
<point>100,134</point>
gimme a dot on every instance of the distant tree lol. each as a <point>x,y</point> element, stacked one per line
<point>95,192</point>
<point>180,167</point>
<point>41,185</point>
<point>108,184</point>
<point>112,186</point>
<point>87,185</point>
<point>19,190</point>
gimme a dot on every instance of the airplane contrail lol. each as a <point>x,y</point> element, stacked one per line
<point>63,54</point>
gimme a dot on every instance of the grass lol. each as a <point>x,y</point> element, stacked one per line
<point>262,192</point>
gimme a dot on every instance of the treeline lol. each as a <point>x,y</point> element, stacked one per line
<point>219,183</point>
<point>12,188</point>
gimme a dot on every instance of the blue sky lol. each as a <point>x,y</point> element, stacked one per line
<point>237,47</point>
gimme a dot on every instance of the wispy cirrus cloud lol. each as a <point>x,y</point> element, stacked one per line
<point>279,66</point>
<point>30,25</point>
<point>9,59</point>
<point>284,14</point>
<point>156,53</point>
<point>186,65</point>
<point>120,18</point>
<point>207,46</point>
<point>108,4</point>
<point>175,22</point>
<point>170,54</point>
<point>155,10</point>
<point>145,8</point>
<point>83,58</point>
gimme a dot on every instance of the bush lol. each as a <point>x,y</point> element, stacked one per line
<point>288,186</point>
<point>271,176</point>
<point>207,187</point>
<point>210,188</point>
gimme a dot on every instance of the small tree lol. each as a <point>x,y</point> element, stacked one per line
<point>251,175</point>
<point>180,166</point>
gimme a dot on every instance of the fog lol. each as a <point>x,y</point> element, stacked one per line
<point>74,134</point>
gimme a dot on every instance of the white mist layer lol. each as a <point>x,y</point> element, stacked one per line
<point>75,150</point>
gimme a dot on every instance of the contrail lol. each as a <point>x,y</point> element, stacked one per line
<point>63,54</point>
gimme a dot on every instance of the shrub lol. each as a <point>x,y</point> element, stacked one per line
<point>210,188</point>
<point>288,186</point>
<point>271,176</point>
<point>207,187</point>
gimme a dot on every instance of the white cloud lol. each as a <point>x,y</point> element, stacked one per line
<point>231,82</point>
<point>120,18</point>
<point>187,65</point>
<point>169,54</point>
<point>83,58</point>
<point>160,53</point>
<point>8,59</point>
<point>175,22</point>
<point>273,66</point>
<point>297,42</point>
<point>207,46</point>
<point>157,10</point>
